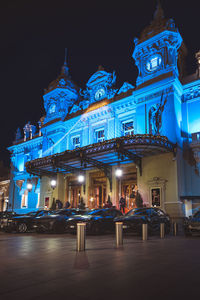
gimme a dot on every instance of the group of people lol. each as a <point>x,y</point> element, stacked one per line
<point>108,204</point>
<point>122,204</point>
<point>81,204</point>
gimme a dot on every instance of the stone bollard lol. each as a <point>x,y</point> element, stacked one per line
<point>144,232</point>
<point>175,228</point>
<point>119,233</point>
<point>162,230</point>
<point>80,246</point>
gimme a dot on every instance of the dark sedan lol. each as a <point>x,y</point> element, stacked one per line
<point>192,224</point>
<point>4,217</point>
<point>153,217</point>
<point>56,221</point>
<point>24,223</point>
<point>97,220</point>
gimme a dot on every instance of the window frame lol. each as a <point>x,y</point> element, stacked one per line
<point>126,131</point>
<point>75,146</point>
<point>24,200</point>
<point>100,139</point>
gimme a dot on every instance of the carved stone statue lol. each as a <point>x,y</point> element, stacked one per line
<point>18,134</point>
<point>155,116</point>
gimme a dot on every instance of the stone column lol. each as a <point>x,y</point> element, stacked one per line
<point>45,191</point>
<point>115,188</point>
<point>60,188</point>
<point>87,183</point>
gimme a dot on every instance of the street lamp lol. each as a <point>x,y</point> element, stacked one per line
<point>53,183</point>
<point>81,178</point>
<point>118,172</point>
<point>29,186</point>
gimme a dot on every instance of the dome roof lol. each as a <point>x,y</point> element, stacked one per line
<point>63,81</point>
<point>158,24</point>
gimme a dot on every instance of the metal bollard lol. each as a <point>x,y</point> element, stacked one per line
<point>80,246</point>
<point>119,233</point>
<point>175,228</point>
<point>162,230</point>
<point>144,232</point>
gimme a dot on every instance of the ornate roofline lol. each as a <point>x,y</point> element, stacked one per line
<point>157,25</point>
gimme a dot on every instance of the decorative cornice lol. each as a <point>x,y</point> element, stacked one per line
<point>155,95</point>
<point>157,181</point>
<point>192,93</point>
<point>30,144</point>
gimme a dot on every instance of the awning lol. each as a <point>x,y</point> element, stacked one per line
<point>102,155</point>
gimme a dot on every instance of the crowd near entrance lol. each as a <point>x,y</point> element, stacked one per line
<point>95,190</point>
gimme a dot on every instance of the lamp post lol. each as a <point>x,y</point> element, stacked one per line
<point>53,183</point>
<point>118,174</point>
<point>81,180</point>
<point>29,185</point>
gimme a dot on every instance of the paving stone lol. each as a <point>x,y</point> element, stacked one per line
<point>48,267</point>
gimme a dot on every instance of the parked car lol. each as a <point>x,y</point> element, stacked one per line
<point>4,217</point>
<point>56,221</point>
<point>133,220</point>
<point>24,223</point>
<point>97,220</point>
<point>192,224</point>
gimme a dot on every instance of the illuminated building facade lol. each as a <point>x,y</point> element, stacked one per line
<point>148,131</point>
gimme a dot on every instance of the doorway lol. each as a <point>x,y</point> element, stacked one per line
<point>129,187</point>
<point>97,190</point>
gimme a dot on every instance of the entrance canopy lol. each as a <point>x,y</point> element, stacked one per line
<point>102,155</point>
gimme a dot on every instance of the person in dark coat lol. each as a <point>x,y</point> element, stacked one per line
<point>122,204</point>
<point>67,204</point>
<point>108,204</point>
<point>59,204</point>
<point>81,204</point>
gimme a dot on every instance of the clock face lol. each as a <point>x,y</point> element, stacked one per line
<point>100,93</point>
<point>154,63</point>
<point>52,108</point>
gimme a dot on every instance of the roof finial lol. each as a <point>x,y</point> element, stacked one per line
<point>100,68</point>
<point>65,69</point>
<point>65,61</point>
<point>159,13</point>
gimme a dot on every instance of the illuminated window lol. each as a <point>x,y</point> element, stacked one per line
<point>153,63</point>
<point>100,135</point>
<point>24,200</point>
<point>52,108</point>
<point>128,128</point>
<point>76,142</point>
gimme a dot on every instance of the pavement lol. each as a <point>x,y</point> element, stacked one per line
<point>47,266</point>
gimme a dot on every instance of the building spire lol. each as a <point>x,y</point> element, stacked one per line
<point>159,13</point>
<point>65,69</point>
<point>65,61</point>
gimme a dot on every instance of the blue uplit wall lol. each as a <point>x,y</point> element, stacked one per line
<point>69,114</point>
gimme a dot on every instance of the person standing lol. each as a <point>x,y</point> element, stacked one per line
<point>67,204</point>
<point>81,204</point>
<point>122,204</point>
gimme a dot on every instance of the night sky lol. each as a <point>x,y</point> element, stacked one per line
<point>34,35</point>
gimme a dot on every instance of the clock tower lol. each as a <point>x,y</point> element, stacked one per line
<point>156,51</point>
